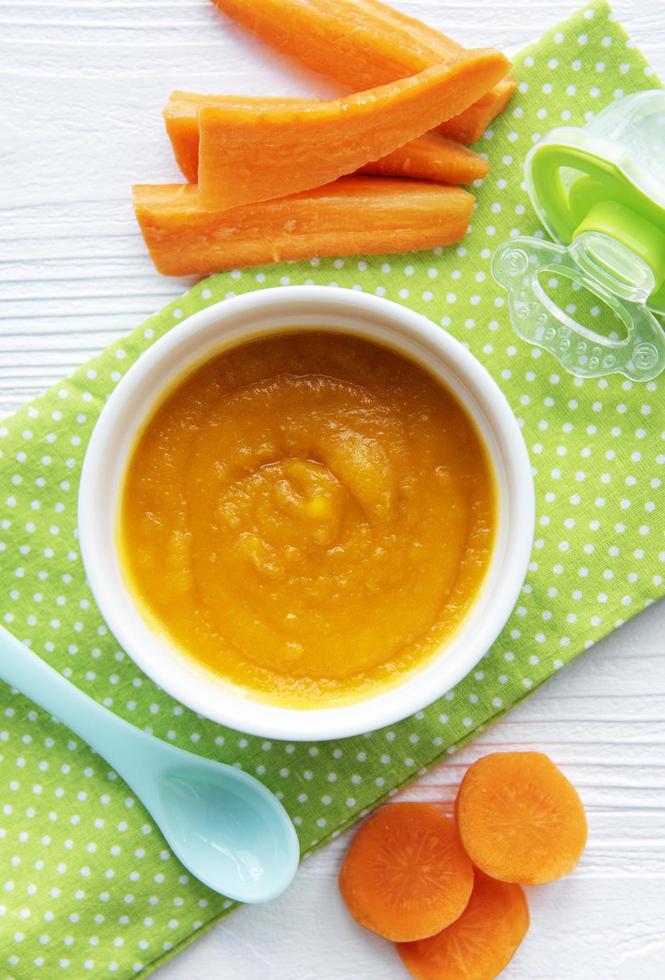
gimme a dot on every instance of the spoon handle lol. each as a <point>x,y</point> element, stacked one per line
<point>101,729</point>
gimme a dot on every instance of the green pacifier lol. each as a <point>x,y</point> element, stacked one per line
<point>600,193</point>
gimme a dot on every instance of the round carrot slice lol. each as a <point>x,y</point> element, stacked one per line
<point>478,945</point>
<point>520,819</point>
<point>405,875</point>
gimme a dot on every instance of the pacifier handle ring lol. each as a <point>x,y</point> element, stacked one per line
<point>544,165</point>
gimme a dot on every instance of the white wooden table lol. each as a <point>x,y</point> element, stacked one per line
<point>82,84</point>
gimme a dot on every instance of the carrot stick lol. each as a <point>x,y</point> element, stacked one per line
<point>251,153</point>
<point>429,157</point>
<point>480,943</point>
<point>470,125</point>
<point>370,215</point>
<point>362,43</point>
<point>181,116</point>
<point>520,819</point>
<point>405,875</point>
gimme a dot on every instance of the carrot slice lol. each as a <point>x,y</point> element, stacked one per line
<point>520,819</point>
<point>368,215</point>
<point>478,945</point>
<point>405,875</point>
<point>362,43</point>
<point>429,157</point>
<point>249,153</point>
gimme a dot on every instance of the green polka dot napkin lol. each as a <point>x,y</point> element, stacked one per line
<point>87,885</point>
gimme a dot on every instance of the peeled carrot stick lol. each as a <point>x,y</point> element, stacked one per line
<point>370,215</point>
<point>362,43</point>
<point>429,157</point>
<point>470,125</point>
<point>405,875</point>
<point>251,153</point>
<point>181,116</point>
<point>478,945</point>
<point>520,819</point>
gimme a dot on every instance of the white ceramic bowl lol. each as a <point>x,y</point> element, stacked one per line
<point>257,314</point>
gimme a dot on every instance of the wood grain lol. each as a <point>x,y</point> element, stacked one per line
<point>83,82</point>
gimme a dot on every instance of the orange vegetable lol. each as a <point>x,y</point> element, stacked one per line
<point>251,153</point>
<point>429,157</point>
<point>405,875</point>
<point>362,43</point>
<point>370,215</point>
<point>478,945</point>
<point>520,819</point>
<point>470,125</point>
<point>181,116</point>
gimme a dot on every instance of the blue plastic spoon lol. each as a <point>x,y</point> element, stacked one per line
<point>223,825</point>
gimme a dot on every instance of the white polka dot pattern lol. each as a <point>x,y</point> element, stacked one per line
<point>87,886</point>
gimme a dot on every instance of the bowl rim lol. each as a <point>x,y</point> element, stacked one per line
<point>196,687</point>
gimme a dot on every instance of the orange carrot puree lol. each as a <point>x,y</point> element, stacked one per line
<point>308,515</point>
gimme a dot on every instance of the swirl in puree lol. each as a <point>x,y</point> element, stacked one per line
<point>308,515</point>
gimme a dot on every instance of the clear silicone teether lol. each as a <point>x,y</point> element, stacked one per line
<point>599,192</point>
<point>519,264</point>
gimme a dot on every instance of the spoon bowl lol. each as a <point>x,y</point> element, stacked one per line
<point>226,827</point>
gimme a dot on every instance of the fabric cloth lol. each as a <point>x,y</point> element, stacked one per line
<point>87,885</point>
